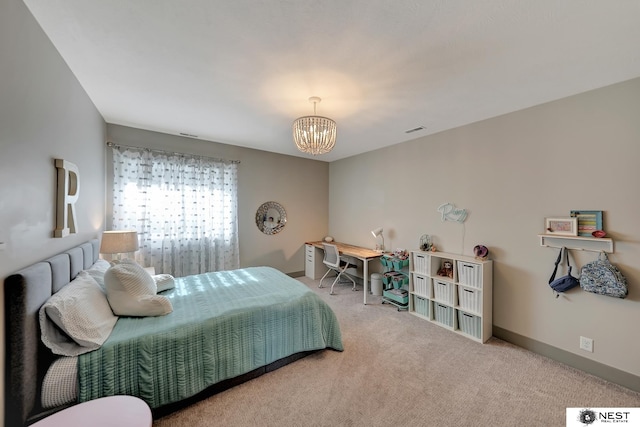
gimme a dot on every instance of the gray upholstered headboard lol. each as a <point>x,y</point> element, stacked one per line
<point>26,357</point>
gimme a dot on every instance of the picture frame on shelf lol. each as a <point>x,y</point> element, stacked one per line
<point>588,221</point>
<point>561,226</point>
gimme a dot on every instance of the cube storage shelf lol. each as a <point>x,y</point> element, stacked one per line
<point>452,291</point>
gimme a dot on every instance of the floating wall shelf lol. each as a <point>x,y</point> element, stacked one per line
<point>595,244</point>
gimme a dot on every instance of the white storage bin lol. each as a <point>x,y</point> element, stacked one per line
<point>469,324</point>
<point>470,299</point>
<point>443,291</point>
<point>421,306</point>
<point>421,263</point>
<point>470,274</point>
<point>421,285</point>
<point>443,314</point>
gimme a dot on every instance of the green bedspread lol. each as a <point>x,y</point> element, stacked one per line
<point>223,325</point>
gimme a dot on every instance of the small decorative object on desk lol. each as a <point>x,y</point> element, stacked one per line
<point>481,252</point>
<point>425,243</point>
<point>328,239</point>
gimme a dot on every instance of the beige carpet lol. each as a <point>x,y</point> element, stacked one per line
<point>400,370</point>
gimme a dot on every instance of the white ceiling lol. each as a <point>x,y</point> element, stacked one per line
<point>240,71</point>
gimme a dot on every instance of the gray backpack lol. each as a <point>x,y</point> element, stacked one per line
<point>603,278</point>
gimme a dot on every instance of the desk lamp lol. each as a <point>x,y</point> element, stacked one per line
<point>378,232</point>
<point>119,242</point>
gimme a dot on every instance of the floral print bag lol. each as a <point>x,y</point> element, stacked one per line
<point>603,278</point>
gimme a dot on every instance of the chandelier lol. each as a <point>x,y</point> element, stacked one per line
<point>314,134</point>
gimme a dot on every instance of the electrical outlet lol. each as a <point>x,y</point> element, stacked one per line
<point>586,344</point>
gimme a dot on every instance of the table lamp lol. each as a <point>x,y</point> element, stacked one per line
<point>119,242</point>
<point>378,232</point>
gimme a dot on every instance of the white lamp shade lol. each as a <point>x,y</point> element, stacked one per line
<point>119,241</point>
<point>378,233</point>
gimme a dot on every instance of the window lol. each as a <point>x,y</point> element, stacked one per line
<point>183,207</point>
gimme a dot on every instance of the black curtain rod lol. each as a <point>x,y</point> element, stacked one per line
<point>153,150</point>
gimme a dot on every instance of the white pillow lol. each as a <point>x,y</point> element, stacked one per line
<point>131,291</point>
<point>77,319</point>
<point>164,282</point>
<point>60,384</point>
<point>98,269</point>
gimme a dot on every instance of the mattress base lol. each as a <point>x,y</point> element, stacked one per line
<point>208,392</point>
<point>228,383</point>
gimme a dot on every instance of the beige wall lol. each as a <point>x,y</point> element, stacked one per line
<point>44,114</point>
<point>301,186</point>
<point>510,173</point>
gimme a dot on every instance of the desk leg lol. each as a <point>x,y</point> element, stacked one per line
<point>365,279</point>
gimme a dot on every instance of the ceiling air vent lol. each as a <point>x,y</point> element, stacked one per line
<point>419,128</point>
<point>190,135</point>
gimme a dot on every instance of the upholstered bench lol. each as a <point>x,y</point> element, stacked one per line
<point>121,411</point>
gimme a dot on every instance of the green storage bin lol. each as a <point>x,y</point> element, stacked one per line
<point>399,264</point>
<point>399,281</point>
<point>400,299</point>
<point>389,277</point>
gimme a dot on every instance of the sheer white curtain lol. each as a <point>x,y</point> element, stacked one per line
<point>183,207</point>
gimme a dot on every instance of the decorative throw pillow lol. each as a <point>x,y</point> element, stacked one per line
<point>131,291</point>
<point>60,384</point>
<point>164,282</point>
<point>98,269</point>
<point>77,319</point>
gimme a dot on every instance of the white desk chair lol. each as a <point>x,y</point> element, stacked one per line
<point>335,263</point>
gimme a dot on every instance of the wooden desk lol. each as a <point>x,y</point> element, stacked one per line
<point>363,254</point>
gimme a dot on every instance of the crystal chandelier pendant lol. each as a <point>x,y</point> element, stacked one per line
<point>314,134</point>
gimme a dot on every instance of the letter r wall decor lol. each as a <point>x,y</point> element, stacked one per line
<point>67,196</point>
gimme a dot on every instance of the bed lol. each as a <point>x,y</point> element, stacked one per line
<point>247,325</point>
